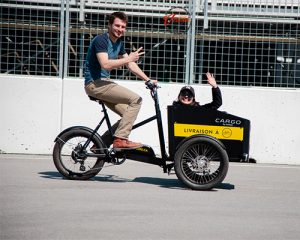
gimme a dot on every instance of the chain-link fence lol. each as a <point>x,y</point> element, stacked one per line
<point>30,37</point>
<point>245,43</point>
<point>250,43</point>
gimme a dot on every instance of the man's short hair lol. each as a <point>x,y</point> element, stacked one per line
<point>119,15</point>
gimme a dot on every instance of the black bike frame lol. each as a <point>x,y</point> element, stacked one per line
<point>154,95</point>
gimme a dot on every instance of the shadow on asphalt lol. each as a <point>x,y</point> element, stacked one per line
<point>161,182</point>
<point>176,184</point>
<point>51,175</point>
<point>106,178</point>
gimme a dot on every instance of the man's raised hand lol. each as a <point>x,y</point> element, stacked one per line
<point>134,56</point>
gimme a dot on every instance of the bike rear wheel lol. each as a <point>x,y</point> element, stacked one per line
<point>70,158</point>
<point>201,163</point>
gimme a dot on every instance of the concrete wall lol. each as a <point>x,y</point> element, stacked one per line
<point>35,109</point>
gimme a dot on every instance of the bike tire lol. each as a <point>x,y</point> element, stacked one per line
<point>201,163</point>
<point>64,155</point>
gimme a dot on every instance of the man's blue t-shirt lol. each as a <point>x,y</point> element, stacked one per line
<point>101,43</point>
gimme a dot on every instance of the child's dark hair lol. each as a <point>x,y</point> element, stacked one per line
<point>119,15</point>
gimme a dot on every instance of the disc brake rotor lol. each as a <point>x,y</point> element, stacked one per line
<point>77,155</point>
<point>200,164</point>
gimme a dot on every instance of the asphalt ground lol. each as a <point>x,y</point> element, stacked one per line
<point>139,201</point>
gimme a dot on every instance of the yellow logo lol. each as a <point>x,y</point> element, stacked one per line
<point>220,132</point>
<point>142,149</point>
<point>227,132</point>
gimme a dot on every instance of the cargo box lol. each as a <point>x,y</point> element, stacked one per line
<point>231,130</point>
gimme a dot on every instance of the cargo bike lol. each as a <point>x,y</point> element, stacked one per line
<point>201,143</point>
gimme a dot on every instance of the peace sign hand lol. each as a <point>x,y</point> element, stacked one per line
<point>134,56</point>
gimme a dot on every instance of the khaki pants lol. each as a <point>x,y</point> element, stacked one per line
<point>119,99</point>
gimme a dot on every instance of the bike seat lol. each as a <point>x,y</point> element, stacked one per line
<point>95,99</point>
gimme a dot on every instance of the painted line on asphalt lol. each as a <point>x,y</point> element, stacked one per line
<point>263,165</point>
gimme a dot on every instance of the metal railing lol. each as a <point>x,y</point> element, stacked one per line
<point>245,43</point>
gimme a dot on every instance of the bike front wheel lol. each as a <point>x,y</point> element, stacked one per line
<point>201,163</point>
<point>71,158</point>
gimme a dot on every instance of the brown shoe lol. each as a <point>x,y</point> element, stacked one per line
<point>124,143</point>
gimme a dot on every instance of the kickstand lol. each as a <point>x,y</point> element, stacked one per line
<point>168,168</point>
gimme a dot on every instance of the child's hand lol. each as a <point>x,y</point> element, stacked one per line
<point>211,80</point>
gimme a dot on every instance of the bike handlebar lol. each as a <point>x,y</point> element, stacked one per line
<point>153,87</point>
<point>150,84</point>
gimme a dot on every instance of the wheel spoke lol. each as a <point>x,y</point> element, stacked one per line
<point>70,155</point>
<point>74,161</point>
<point>201,163</point>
